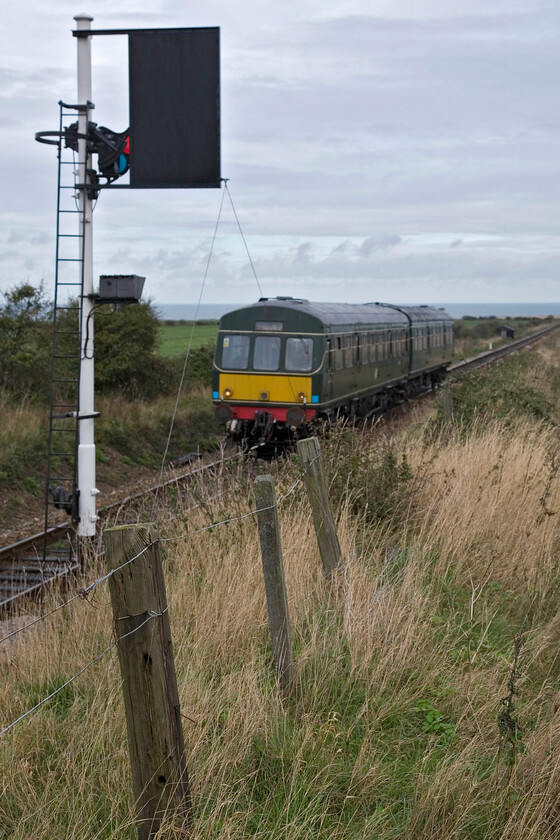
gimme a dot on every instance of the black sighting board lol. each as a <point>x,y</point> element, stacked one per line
<point>174,101</point>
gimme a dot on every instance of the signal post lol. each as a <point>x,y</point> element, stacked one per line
<point>87,490</point>
<point>173,141</point>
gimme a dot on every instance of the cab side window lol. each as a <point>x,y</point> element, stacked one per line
<point>299,354</point>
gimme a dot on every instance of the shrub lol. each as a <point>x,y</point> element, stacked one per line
<point>25,340</point>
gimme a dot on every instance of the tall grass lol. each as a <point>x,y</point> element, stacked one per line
<point>427,689</point>
<point>392,727</point>
<point>22,435</point>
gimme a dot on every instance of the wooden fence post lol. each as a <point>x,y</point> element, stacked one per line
<point>323,518</point>
<point>153,719</point>
<point>274,580</point>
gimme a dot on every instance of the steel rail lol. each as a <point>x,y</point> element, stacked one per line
<point>10,555</point>
<point>489,356</point>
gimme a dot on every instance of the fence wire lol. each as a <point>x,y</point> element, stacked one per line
<point>103,653</point>
<point>83,593</point>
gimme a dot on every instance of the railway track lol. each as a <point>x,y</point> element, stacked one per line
<point>490,356</point>
<point>26,569</point>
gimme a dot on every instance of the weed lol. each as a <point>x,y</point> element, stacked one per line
<point>434,722</point>
<point>511,734</point>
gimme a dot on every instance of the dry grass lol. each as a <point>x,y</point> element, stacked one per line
<point>391,727</point>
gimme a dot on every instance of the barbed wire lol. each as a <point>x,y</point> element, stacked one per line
<point>244,515</point>
<point>103,653</point>
<point>80,594</point>
<point>83,593</point>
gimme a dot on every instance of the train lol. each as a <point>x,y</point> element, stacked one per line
<point>283,364</point>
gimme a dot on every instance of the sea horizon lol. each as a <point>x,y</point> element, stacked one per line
<point>214,311</point>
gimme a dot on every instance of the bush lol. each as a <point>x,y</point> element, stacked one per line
<point>374,482</point>
<point>519,386</point>
<point>199,365</point>
<point>25,341</point>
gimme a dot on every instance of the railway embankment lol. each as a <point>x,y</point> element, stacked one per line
<point>131,437</point>
<point>426,691</point>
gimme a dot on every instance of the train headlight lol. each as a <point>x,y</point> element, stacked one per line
<point>302,397</point>
<point>228,393</point>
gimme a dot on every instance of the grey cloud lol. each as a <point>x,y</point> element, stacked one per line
<point>335,124</point>
<point>378,243</point>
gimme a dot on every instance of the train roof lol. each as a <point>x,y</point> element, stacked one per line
<point>338,314</point>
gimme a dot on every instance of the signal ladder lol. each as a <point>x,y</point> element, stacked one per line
<point>61,490</point>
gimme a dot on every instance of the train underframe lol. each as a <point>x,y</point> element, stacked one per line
<point>258,426</point>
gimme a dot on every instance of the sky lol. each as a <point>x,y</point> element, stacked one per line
<point>397,150</point>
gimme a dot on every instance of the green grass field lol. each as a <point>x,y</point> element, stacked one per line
<point>174,338</point>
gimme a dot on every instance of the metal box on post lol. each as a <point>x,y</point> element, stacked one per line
<point>120,288</point>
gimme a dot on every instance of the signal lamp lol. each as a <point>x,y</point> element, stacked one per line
<point>112,148</point>
<point>228,393</point>
<point>301,397</point>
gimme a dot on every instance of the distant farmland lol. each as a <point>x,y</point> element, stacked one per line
<point>175,336</point>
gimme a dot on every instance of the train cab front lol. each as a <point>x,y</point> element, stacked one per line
<point>265,383</point>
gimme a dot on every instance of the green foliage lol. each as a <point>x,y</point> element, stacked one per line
<point>486,328</point>
<point>127,358</point>
<point>199,364</point>
<point>138,430</point>
<point>24,340</point>
<point>514,388</point>
<point>126,340</point>
<point>434,722</point>
<point>375,482</point>
<point>125,352</point>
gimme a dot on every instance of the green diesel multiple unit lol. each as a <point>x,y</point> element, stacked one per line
<point>282,362</point>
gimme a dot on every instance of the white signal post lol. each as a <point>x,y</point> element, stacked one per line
<point>86,446</point>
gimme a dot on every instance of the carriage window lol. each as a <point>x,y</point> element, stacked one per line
<point>348,360</point>
<point>266,355</point>
<point>299,354</point>
<point>338,361</point>
<point>235,352</point>
<point>383,348</point>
